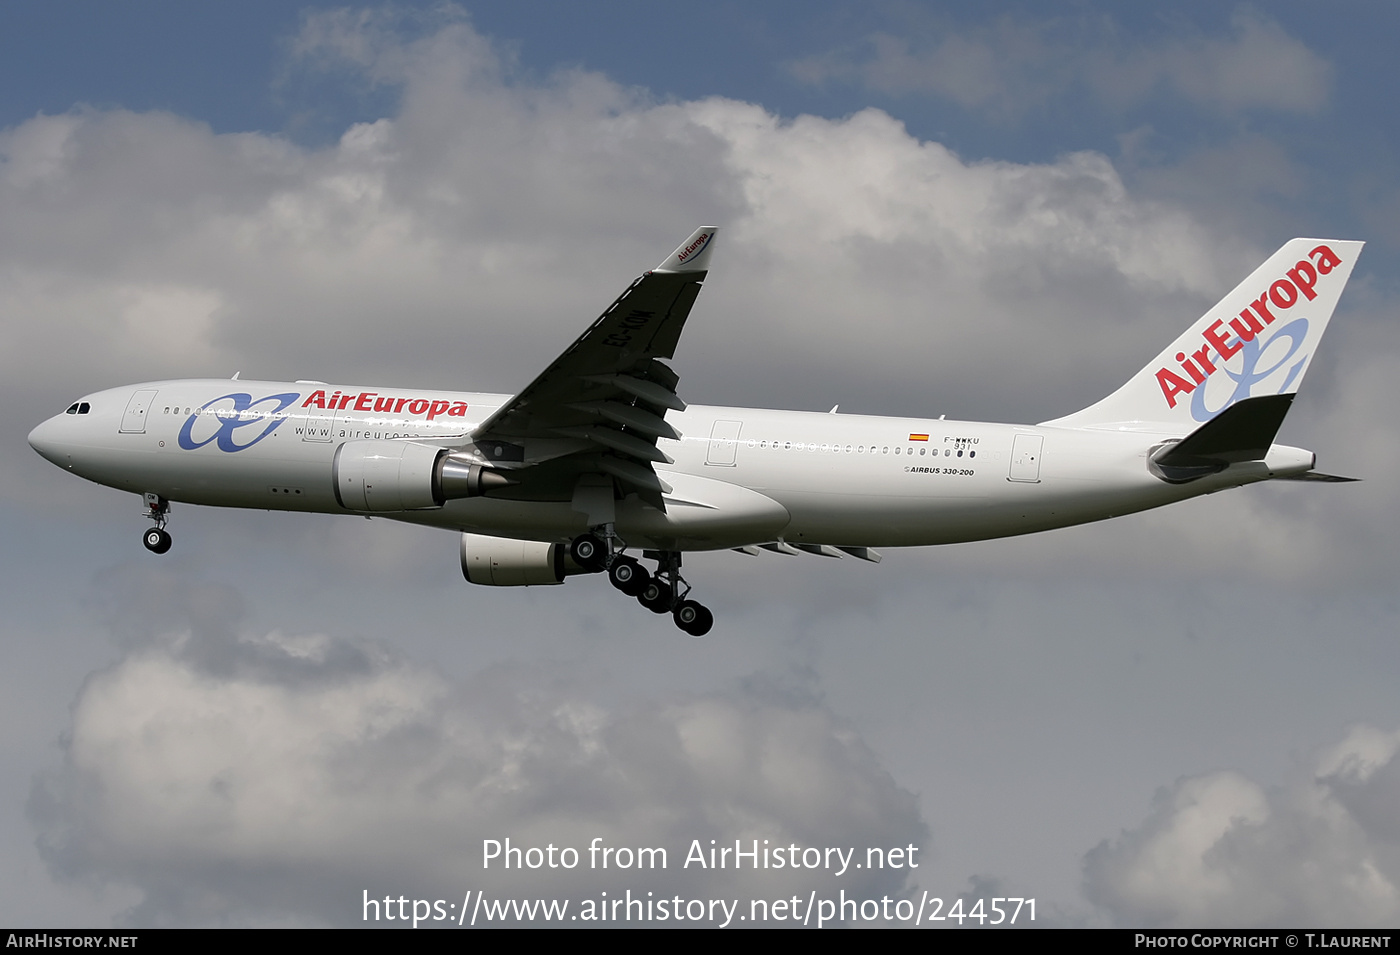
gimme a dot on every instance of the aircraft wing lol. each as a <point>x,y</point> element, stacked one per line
<point>607,395</point>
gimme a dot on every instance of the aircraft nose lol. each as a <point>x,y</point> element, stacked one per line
<point>46,440</point>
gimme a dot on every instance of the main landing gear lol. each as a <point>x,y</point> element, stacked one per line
<point>664,591</point>
<point>157,539</point>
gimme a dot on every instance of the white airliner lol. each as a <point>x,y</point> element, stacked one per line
<point>598,461</point>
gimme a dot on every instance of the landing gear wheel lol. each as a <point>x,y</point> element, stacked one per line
<point>655,596</point>
<point>157,541</point>
<point>693,618</point>
<point>589,552</point>
<point>628,576</point>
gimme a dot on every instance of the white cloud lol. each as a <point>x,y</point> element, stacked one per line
<point>1218,850</point>
<point>247,778</point>
<point>486,203</point>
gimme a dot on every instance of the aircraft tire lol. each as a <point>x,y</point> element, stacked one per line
<point>628,576</point>
<point>655,596</point>
<point>589,552</point>
<point>157,541</point>
<point>693,618</point>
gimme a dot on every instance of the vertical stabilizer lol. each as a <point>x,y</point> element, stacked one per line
<point>1259,340</point>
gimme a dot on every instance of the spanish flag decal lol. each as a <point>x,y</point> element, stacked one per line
<point>918,437</point>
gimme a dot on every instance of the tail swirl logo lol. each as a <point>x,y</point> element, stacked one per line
<point>1250,375</point>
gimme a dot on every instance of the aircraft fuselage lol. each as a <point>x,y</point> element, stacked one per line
<point>740,475</point>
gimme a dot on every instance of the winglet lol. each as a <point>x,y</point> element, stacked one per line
<point>693,254</point>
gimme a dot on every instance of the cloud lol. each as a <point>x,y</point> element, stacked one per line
<point>1220,851</point>
<point>1014,65</point>
<point>236,777</point>
<point>495,214</point>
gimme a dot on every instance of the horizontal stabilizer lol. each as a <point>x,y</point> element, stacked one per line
<point>1320,477</point>
<point>1242,432</point>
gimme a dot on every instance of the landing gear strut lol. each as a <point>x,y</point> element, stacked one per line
<point>665,591</point>
<point>157,539</point>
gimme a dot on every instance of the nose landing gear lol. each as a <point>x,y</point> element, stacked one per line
<point>664,591</point>
<point>157,539</point>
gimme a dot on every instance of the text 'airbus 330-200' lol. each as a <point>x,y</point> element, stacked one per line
<point>598,462</point>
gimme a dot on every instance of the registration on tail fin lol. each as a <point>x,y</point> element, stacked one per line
<point>1257,341</point>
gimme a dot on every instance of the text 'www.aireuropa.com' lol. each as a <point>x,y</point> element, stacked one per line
<point>476,908</point>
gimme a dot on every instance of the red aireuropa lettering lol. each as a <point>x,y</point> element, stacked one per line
<point>1283,294</point>
<point>1326,262</point>
<point>1304,276</point>
<point>1299,283</point>
<point>1173,385</point>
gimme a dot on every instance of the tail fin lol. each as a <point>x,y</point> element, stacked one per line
<point>1256,341</point>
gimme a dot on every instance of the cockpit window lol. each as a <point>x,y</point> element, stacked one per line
<point>73,408</point>
<point>84,407</point>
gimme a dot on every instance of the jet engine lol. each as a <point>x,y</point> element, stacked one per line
<point>403,476</point>
<point>503,562</point>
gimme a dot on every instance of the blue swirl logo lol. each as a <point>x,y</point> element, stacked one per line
<point>1249,374</point>
<point>245,413</point>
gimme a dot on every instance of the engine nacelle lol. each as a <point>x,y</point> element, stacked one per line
<point>503,562</point>
<point>403,476</point>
